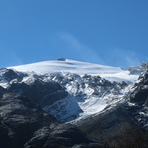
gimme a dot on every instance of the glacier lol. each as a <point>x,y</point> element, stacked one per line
<point>77,67</point>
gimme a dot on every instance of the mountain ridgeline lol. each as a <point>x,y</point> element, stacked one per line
<point>54,105</point>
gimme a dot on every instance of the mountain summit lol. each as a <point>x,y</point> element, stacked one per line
<point>65,65</point>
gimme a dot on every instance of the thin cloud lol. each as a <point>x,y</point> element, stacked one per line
<point>84,52</point>
<point>73,47</point>
<point>124,58</point>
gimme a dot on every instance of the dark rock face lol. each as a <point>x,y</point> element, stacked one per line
<point>9,74</point>
<point>140,95</point>
<point>19,119</point>
<point>2,91</point>
<point>43,93</point>
<point>61,59</point>
<point>64,135</point>
<point>115,127</point>
<point>24,124</point>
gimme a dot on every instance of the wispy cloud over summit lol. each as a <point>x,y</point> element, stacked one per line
<point>123,57</point>
<point>76,47</point>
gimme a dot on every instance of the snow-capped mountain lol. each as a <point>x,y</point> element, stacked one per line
<point>88,86</point>
<point>98,99</point>
<point>81,68</point>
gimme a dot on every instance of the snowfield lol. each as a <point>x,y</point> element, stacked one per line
<point>81,68</point>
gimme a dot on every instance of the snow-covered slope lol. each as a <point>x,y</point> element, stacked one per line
<point>86,84</point>
<point>81,68</point>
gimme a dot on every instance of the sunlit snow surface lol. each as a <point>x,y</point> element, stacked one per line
<point>81,68</point>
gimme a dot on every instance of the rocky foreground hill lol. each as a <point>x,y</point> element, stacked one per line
<point>66,110</point>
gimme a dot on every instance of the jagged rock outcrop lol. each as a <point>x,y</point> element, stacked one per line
<point>138,69</point>
<point>43,93</point>
<point>9,76</point>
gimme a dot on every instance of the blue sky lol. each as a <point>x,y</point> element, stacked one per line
<point>109,32</point>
